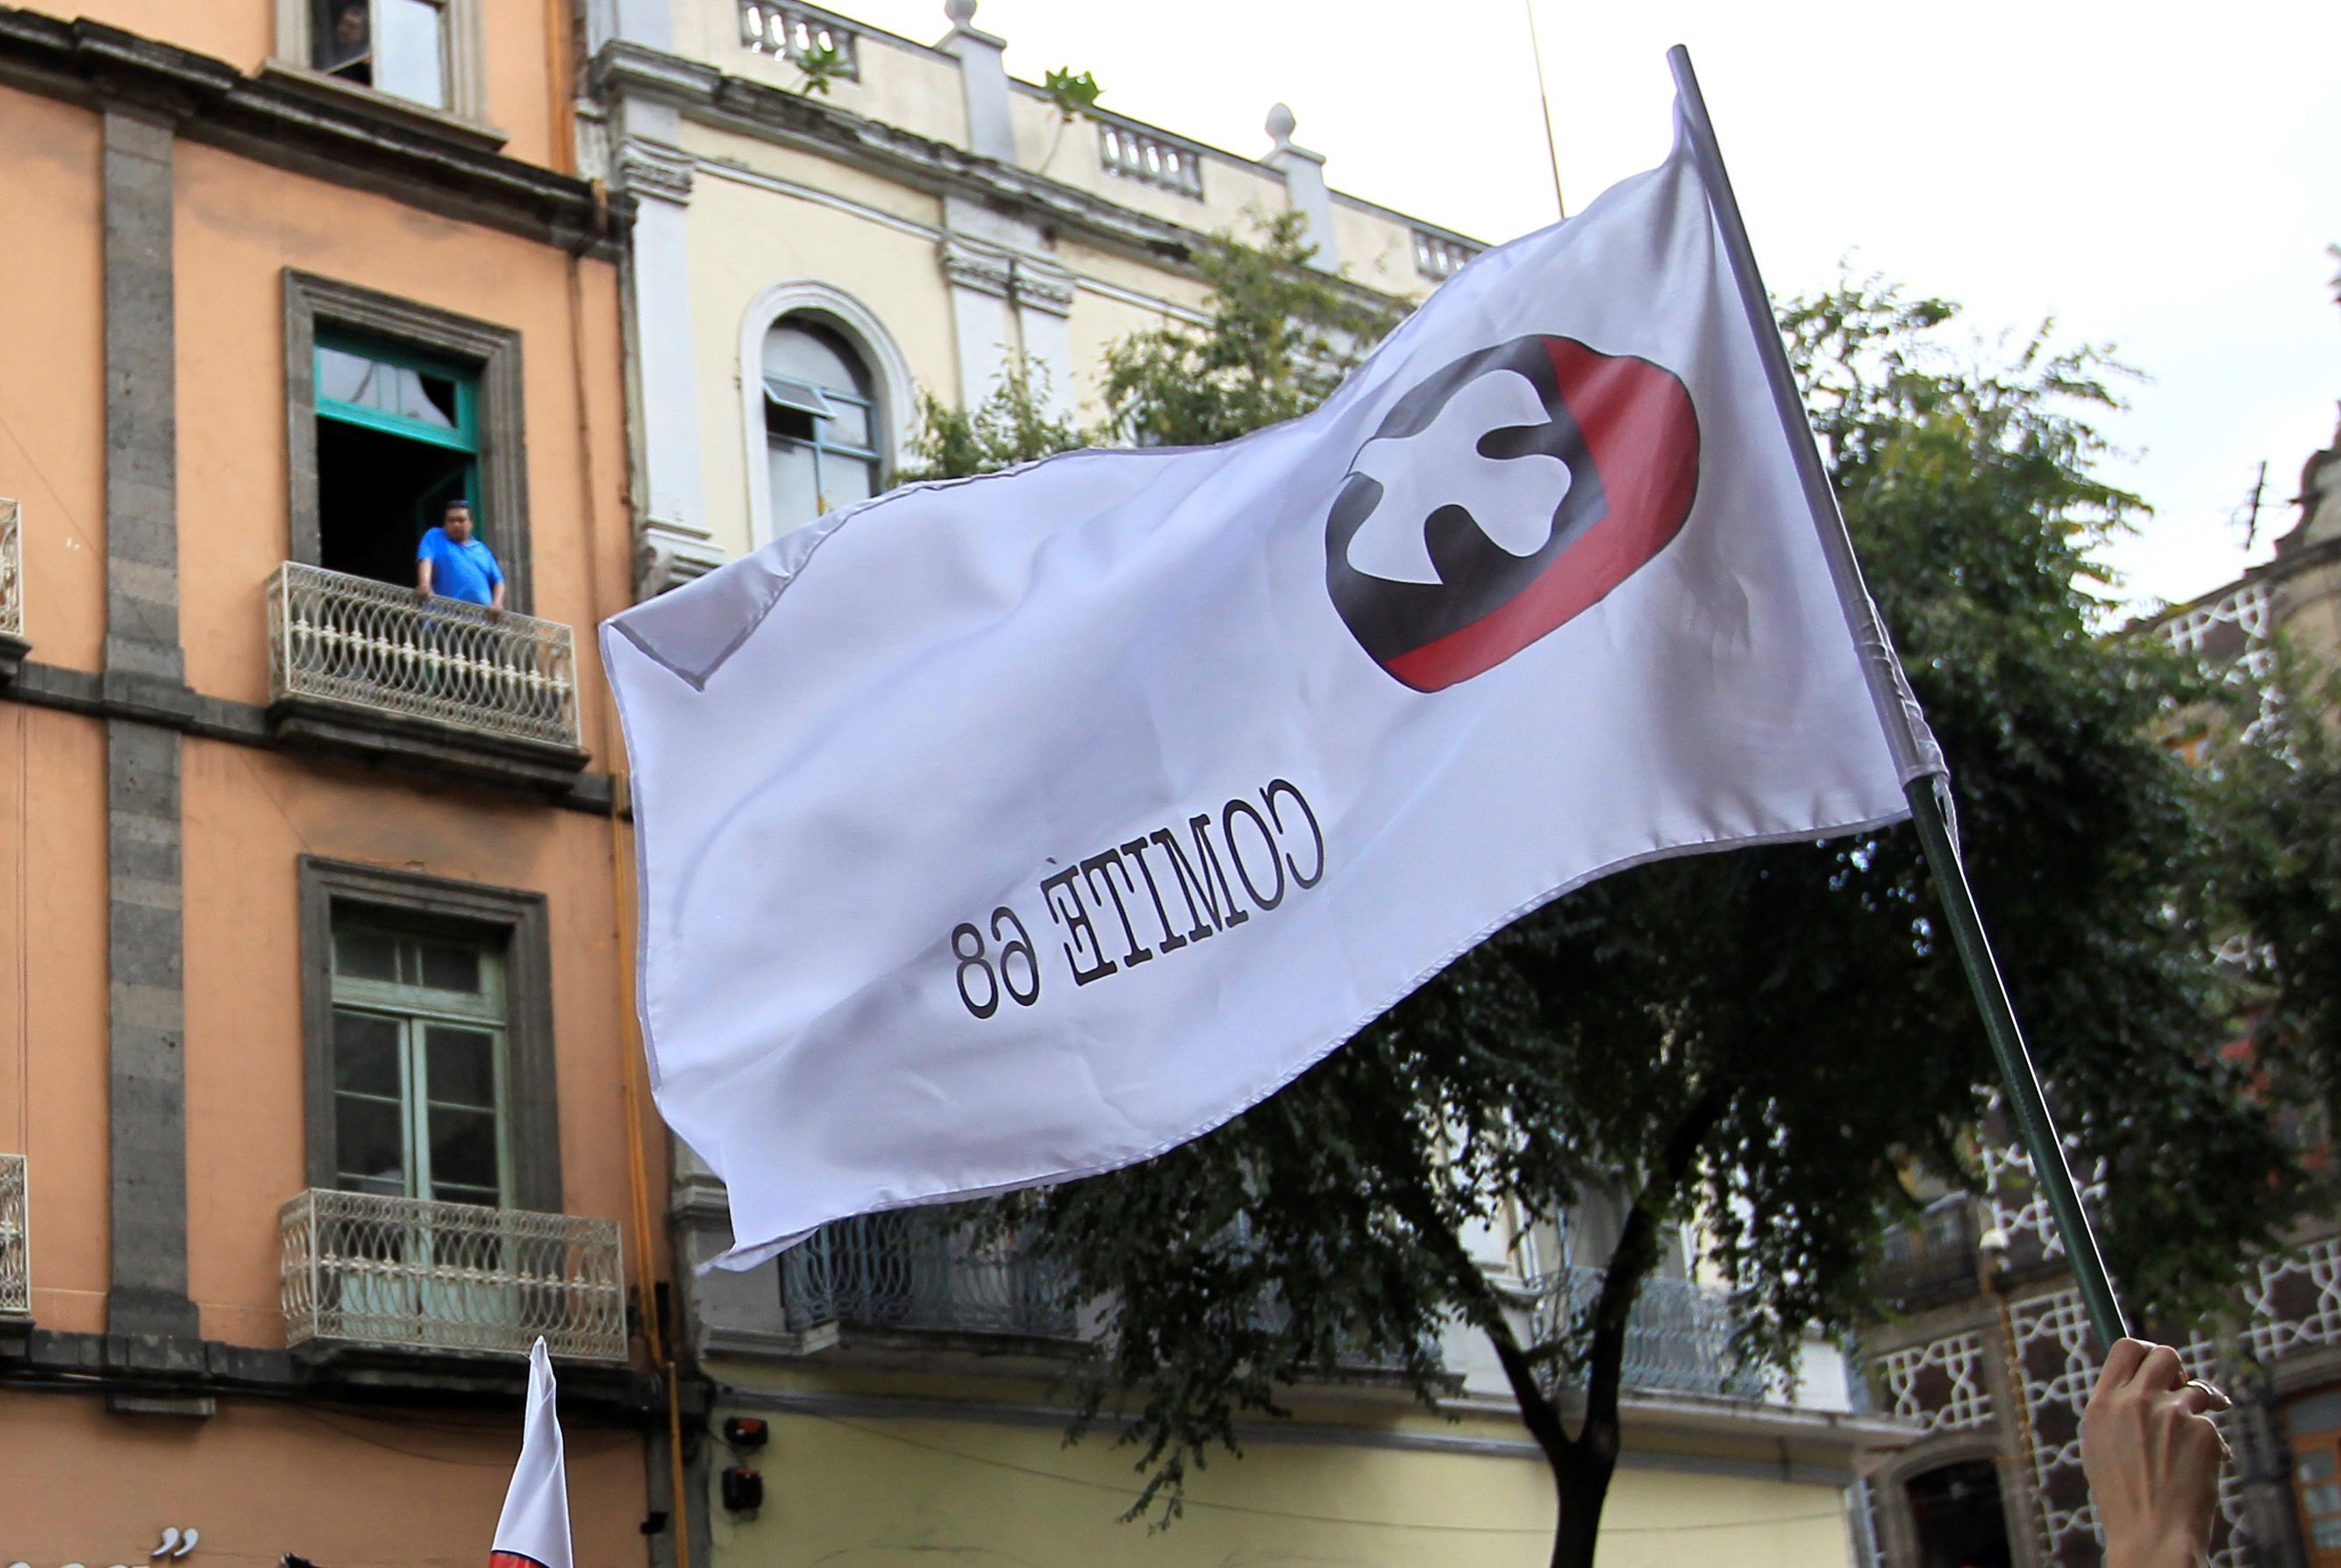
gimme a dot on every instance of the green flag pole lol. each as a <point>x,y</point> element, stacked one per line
<point>1920,763</point>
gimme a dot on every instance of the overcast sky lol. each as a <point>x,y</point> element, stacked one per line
<point>2163,180</point>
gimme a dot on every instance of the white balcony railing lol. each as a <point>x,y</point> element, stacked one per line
<point>12,574</point>
<point>1436,256</point>
<point>1151,160</point>
<point>374,645</point>
<point>414,1275</point>
<point>794,33</point>
<point>16,1262</point>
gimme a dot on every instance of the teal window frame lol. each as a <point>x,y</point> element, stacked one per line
<point>464,438</point>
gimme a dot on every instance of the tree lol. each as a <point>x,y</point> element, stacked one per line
<point>2279,781</point>
<point>1764,1041</point>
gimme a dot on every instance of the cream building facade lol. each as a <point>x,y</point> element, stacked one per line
<point>830,220</point>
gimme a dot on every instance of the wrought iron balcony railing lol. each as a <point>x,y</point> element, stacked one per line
<point>410,1273</point>
<point>12,573</point>
<point>16,1262</point>
<point>1678,1337</point>
<point>374,645</point>
<point>921,1270</point>
<point>1934,1257</point>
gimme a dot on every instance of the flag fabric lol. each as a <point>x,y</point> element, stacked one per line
<point>1002,830</point>
<point>533,1529</point>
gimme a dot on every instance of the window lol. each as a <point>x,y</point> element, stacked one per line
<point>423,52</point>
<point>398,437</point>
<point>428,1021</point>
<point>392,410</point>
<point>2315,1425</point>
<point>821,423</point>
<point>419,1077</point>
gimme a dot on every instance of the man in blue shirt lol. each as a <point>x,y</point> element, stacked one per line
<point>450,561</point>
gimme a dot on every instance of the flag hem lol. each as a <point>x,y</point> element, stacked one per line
<point>741,1258</point>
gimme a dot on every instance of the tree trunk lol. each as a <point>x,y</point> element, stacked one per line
<point>1581,1466</point>
<point>1582,1486</point>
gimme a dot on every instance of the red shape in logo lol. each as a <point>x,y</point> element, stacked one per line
<point>1626,429</point>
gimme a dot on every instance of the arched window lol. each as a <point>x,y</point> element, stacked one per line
<point>822,442</point>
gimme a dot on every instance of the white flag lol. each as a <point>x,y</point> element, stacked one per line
<point>1002,830</point>
<point>534,1525</point>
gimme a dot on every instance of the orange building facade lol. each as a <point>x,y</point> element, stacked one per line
<point>315,1103</point>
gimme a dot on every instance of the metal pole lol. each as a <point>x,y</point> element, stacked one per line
<point>1544,102</point>
<point>1912,753</point>
<point>2032,1117</point>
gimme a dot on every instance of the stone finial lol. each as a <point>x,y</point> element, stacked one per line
<point>1280,124</point>
<point>962,13</point>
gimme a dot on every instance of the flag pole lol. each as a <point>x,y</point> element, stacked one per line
<point>1544,103</point>
<point>1914,753</point>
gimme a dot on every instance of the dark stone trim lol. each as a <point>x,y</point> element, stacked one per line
<point>142,439</point>
<point>147,1310</point>
<point>347,139</point>
<point>419,745</point>
<point>197,1369</point>
<point>521,917</point>
<point>11,656</point>
<point>146,1302</point>
<point>452,756</point>
<point>492,352</point>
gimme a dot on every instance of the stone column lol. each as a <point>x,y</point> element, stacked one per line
<point>1304,188</point>
<point>990,129</point>
<point>672,542</point>
<point>981,280</point>
<point>150,1322</point>
<point>1044,301</point>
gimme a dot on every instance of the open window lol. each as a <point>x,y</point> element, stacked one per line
<point>398,437</point>
<point>821,423</point>
<point>422,52</point>
<point>392,408</point>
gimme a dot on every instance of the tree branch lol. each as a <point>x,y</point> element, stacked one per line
<point>1483,1307</point>
<point>1629,1263</point>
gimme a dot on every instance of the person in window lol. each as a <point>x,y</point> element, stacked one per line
<point>347,50</point>
<point>452,563</point>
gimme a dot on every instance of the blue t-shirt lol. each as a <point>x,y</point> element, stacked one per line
<point>467,570</point>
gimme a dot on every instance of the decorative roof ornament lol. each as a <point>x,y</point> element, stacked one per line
<point>1280,124</point>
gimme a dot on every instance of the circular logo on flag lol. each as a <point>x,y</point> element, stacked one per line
<point>1501,497</point>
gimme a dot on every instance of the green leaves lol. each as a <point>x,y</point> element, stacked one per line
<point>1789,1015</point>
<point>1016,423</point>
<point>1278,336</point>
<point>821,65</point>
<point>1073,96</point>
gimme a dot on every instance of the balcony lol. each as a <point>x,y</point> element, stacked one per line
<point>1678,1337</point>
<point>360,665</point>
<point>793,33</point>
<point>920,1272</point>
<point>15,1261</point>
<point>1934,1259</point>
<point>13,646</point>
<point>412,1274</point>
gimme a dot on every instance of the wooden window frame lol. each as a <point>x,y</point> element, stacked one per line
<point>534,1122</point>
<point>489,353</point>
